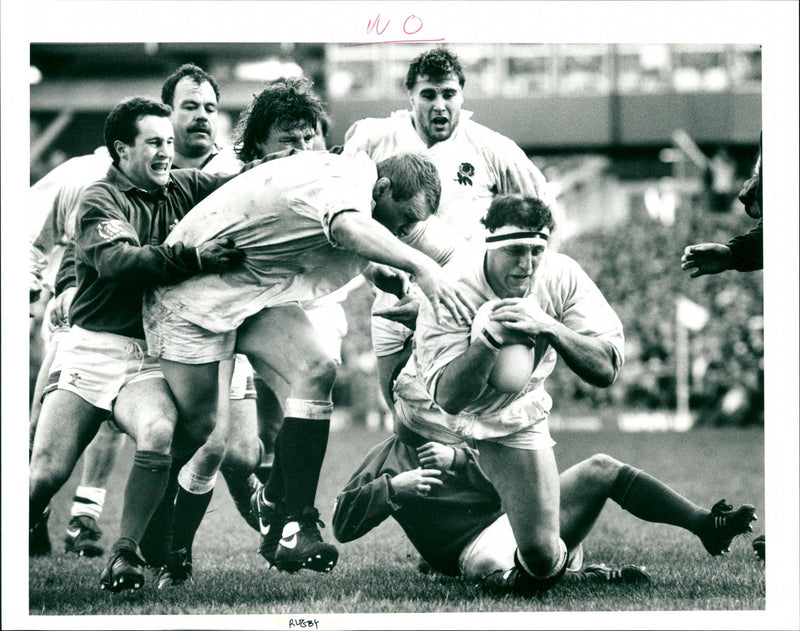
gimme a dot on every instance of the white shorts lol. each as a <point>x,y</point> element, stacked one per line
<point>242,385</point>
<point>330,323</point>
<point>490,550</point>
<point>388,337</point>
<point>175,339</point>
<point>532,433</point>
<point>493,549</point>
<point>96,366</point>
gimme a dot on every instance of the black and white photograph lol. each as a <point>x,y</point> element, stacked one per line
<point>393,315</point>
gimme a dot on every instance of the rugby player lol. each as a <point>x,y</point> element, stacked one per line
<point>287,215</point>
<point>474,163</point>
<point>102,363</point>
<point>193,95</point>
<point>283,116</point>
<point>453,516</point>
<point>535,297</point>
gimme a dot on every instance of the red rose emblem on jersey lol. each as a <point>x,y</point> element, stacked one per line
<point>465,172</point>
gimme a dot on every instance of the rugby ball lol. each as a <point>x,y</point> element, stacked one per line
<point>512,368</point>
<point>514,362</point>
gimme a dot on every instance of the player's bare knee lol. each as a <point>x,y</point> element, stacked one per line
<point>211,454</point>
<point>541,551</point>
<point>200,429</point>
<point>155,434</point>
<point>44,474</point>
<point>603,468</point>
<point>317,375</point>
<point>240,456</point>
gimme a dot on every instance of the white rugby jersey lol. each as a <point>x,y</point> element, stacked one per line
<point>279,213</point>
<point>560,287</point>
<point>474,165</point>
<point>52,204</point>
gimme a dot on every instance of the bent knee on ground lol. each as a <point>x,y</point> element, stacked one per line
<point>541,554</point>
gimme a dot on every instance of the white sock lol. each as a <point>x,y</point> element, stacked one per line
<point>89,501</point>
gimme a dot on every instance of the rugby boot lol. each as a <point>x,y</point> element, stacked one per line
<point>270,525</point>
<point>518,582</point>
<point>301,545</point>
<point>723,524</point>
<point>627,574</point>
<point>82,536</point>
<point>157,538</point>
<point>124,570</point>
<point>760,547</point>
<point>178,569</point>
<point>38,537</point>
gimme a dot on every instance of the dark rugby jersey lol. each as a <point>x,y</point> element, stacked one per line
<point>119,232</point>
<point>439,525</point>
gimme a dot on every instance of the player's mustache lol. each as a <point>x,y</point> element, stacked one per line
<point>200,127</point>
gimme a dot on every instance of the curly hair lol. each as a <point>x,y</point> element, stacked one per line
<point>516,210</point>
<point>121,122</point>
<point>286,104</point>
<point>436,64</point>
<point>195,73</point>
<point>410,173</point>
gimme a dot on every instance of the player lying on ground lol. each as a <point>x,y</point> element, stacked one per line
<point>453,516</point>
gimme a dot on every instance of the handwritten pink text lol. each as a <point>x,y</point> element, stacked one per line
<point>402,32</point>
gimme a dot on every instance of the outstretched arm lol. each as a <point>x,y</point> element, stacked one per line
<point>366,237</point>
<point>706,258</point>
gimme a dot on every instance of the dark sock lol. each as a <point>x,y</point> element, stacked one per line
<point>146,485</point>
<point>190,508</point>
<point>303,449</point>
<point>274,487</point>
<point>647,498</point>
<point>241,486</point>
<point>156,541</point>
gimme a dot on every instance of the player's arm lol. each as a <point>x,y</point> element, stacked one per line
<point>364,503</point>
<point>747,250</point>
<point>366,237</point>
<point>107,241</point>
<point>65,287</point>
<point>465,377</point>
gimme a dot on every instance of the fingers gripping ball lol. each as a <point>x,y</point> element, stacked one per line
<point>514,362</point>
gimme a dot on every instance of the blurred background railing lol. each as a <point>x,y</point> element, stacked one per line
<point>645,146</point>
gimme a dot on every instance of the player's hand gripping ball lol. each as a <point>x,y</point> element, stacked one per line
<point>514,362</point>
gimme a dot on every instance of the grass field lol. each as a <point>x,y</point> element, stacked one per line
<point>377,574</point>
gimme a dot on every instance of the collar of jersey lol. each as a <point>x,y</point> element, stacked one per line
<point>123,183</point>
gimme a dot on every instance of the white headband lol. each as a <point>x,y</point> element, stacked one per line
<point>512,235</point>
